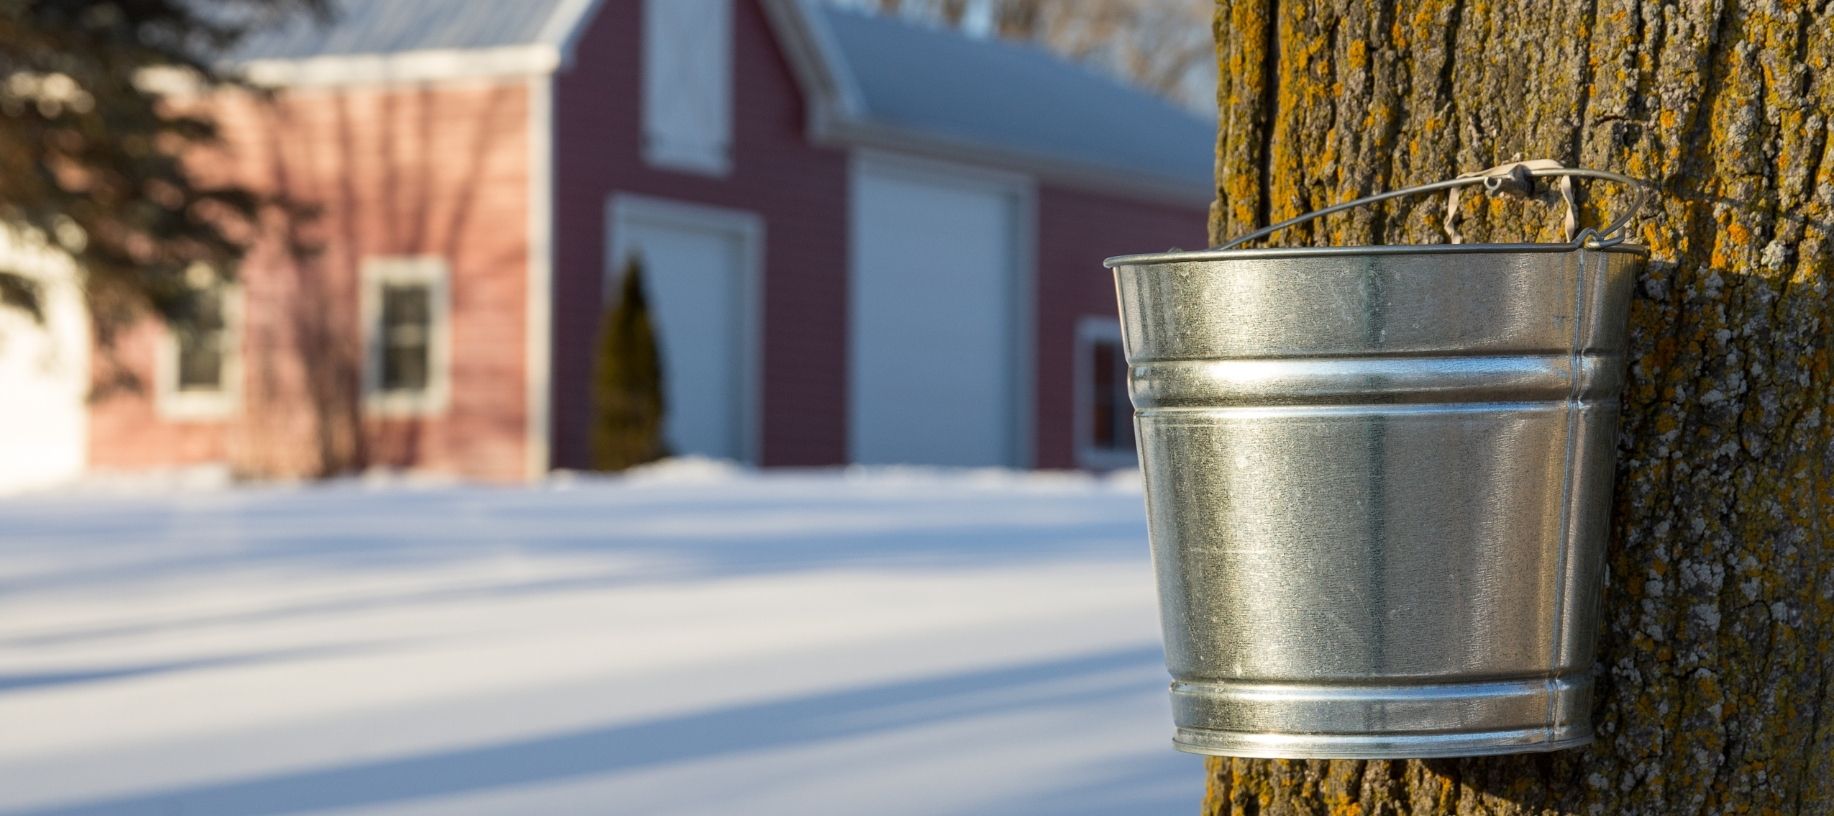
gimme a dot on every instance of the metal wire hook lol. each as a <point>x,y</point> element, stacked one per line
<point>1514,177</point>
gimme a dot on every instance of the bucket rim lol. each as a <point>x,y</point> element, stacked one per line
<point>1181,256</point>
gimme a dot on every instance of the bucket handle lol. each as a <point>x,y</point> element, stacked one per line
<point>1516,178</point>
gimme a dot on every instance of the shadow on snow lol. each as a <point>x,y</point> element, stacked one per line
<point>1143,785</point>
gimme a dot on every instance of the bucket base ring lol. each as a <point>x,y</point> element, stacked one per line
<point>1378,746</point>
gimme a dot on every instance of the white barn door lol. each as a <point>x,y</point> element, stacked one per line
<point>699,268</point>
<point>44,374</point>
<point>936,317</point>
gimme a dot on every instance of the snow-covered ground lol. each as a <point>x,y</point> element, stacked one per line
<point>692,640</point>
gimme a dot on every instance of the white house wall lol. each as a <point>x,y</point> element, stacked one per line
<point>44,373</point>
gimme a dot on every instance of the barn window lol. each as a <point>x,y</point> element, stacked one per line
<point>407,318</point>
<point>1104,415</point>
<point>687,85</point>
<point>199,364</point>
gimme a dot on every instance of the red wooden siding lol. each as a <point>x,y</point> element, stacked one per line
<point>1076,230</point>
<point>398,171</point>
<point>799,190</point>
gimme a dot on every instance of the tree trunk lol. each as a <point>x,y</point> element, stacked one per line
<point>1713,682</point>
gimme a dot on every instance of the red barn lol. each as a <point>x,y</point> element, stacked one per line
<point>864,241</point>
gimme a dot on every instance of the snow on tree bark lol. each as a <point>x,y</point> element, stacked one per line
<point>1714,693</point>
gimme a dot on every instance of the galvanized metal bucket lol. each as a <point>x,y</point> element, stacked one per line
<point>1378,481</point>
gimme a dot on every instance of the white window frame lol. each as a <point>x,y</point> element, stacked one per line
<point>659,149</point>
<point>173,404</point>
<point>1091,330</point>
<point>435,273</point>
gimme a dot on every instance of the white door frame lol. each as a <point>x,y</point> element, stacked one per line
<point>1022,191</point>
<point>625,208</point>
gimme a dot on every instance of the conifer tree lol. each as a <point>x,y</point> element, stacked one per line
<point>627,388</point>
<point>93,154</point>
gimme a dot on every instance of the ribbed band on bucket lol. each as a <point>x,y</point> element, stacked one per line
<point>1395,721</point>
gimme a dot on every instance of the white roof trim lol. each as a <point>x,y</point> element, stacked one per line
<point>407,66</point>
<point>563,29</point>
<point>830,94</point>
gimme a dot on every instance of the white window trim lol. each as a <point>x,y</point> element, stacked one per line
<point>175,405</point>
<point>628,208</point>
<point>672,155</point>
<point>436,274</point>
<point>1089,331</point>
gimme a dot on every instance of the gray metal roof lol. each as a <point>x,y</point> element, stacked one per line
<point>380,27</point>
<point>1015,98</point>
<point>993,101</point>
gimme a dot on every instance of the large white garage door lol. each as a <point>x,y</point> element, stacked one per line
<point>698,264</point>
<point>934,324</point>
<point>44,375</point>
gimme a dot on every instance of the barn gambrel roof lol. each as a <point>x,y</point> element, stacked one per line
<point>870,82</point>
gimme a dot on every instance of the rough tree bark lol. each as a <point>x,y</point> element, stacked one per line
<point>1714,693</point>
